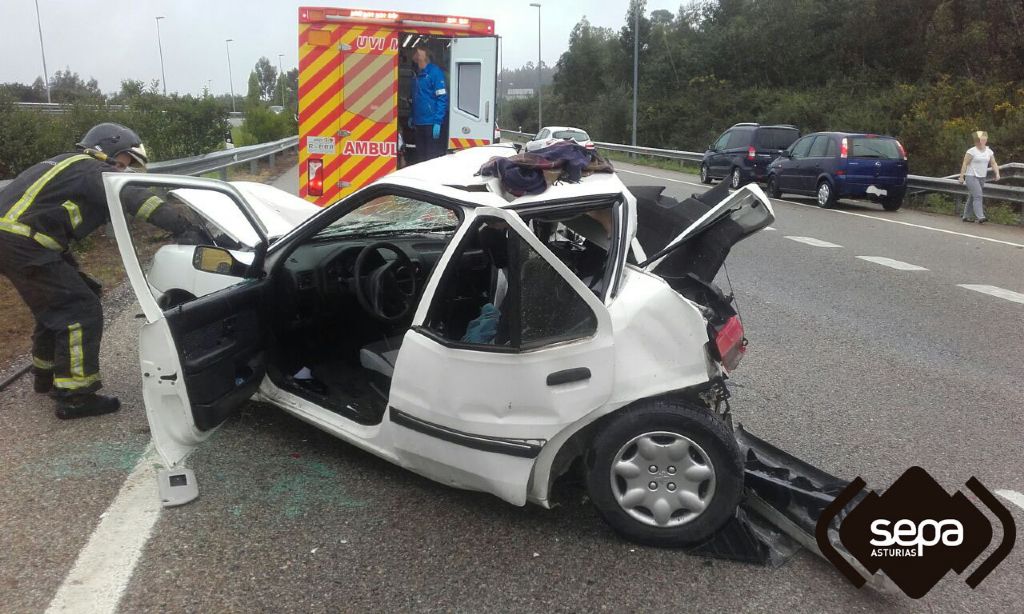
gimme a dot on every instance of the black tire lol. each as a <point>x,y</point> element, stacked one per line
<point>892,203</point>
<point>825,195</point>
<point>736,178</point>
<point>705,175</point>
<point>715,444</point>
<point>773,188</point>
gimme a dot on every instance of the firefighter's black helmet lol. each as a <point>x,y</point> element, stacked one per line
<point>112,139</point>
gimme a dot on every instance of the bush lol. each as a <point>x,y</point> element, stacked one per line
<point>171,127</point>
<point>264,125</point>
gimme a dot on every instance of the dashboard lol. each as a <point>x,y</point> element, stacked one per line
<point>318,276</point>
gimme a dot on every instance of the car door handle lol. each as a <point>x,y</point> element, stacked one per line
<point>567,376</point>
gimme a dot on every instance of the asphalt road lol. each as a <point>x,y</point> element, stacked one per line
<point>854,366</point>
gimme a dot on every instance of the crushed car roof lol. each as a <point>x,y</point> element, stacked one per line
<point>459,171</point>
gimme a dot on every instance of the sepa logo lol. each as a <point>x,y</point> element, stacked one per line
<point>911,538</point>
<point>915,532</point>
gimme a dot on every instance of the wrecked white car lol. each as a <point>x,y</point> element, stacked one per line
<point>488,342</point>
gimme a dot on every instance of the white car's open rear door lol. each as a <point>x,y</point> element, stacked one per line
<point>473,80</point>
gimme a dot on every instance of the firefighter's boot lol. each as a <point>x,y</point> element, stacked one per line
<point>82,406</point>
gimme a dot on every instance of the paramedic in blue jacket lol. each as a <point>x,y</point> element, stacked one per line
<point>429,106</point>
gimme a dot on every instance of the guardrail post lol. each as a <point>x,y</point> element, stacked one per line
<point>223,174</point>
<point>254,166</point>
<point>273,157</point>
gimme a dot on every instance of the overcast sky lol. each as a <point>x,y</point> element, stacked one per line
<point>112,40</point>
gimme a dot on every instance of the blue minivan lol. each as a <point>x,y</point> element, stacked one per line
<point>834,165</point>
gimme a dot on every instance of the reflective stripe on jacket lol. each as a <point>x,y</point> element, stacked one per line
<point>63,198</point>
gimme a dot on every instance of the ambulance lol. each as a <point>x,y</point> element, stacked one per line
<point>355,88</point>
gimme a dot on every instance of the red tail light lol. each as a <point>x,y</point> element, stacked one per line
<point>751,152</point>
<point>903,152</point>
<point>589,145</point>
<point>729,343</point>
<point>315,177</point>
<point>844,149</point>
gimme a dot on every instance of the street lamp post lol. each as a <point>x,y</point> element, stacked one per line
<point>636,63</point>
<point>160,46</point>
<point>231,82</point>
<point>42,51</point>
<point>280,77</point>
<point>540,121</point>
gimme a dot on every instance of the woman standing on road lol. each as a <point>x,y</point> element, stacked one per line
<point>975,167</point>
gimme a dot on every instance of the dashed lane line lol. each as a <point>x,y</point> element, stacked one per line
<point>1003,293</point>
<point>103,568</point>
<point>812,241</point>
<point>893,264</point>
<point>853,213</point>
<point>921,226</point>
<point>1013,497</point>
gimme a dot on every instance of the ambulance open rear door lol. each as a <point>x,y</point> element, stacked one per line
<point>473,74</point>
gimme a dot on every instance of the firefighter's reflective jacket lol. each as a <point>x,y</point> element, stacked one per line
<point>62,199</point>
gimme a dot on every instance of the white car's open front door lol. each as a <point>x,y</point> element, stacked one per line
<point>474,63</point>
<point>203,358</point>
<point>472,405</point>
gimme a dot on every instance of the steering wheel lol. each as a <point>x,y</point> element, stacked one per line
<point>387,292</point>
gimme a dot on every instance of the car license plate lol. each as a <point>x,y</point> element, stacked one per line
<point>320,145</point>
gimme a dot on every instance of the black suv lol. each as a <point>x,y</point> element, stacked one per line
<point>742,153</point>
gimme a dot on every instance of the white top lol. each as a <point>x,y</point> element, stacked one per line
<point>978,166</point>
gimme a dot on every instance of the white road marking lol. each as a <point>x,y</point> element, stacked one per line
<point>893,264</point>
<point>699,185</point>
<point>101,573</point>
<point>887,220</point>
<point>812,241</point>
<point>1012,496</point>
<point>853,213</point>
<point>1009,295</point>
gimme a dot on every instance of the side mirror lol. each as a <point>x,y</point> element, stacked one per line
<point>218,261</point>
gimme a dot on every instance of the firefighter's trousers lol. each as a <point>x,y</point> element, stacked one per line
<point>69,316</point>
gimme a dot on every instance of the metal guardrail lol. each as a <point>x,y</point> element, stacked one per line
<point>221,160</point>
<point>218,160</point>
<point>946,185</point>
<point>59,108</point>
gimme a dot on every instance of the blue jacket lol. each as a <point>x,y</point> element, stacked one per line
<point>429,97</point>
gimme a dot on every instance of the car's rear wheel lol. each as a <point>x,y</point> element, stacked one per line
<point>773,187</point>
<point>826,195</point>
<point>892,203</point>
<point>735,179</point>
<point>705,176</point>
<point>665,474</point>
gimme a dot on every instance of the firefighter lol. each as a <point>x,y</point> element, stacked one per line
<point>429,106</point>
<point>41,212</point>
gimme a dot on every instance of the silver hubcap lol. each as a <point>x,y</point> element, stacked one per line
<point>735,179</point>
<point>823,194</point>
<point>663,479</point>
<point>703,172</point>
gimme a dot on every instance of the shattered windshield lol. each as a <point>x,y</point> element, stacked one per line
<point>393,215</point>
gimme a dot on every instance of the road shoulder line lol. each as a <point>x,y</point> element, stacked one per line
<point>103,568</point>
